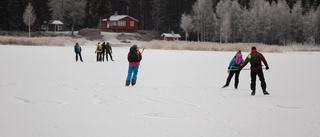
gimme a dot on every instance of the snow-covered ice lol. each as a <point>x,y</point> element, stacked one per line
<point>45,93</point>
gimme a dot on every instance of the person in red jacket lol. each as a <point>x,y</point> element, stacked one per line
<point>134,58</point>
<point>255,59</point>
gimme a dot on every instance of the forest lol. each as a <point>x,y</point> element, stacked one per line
<point>279,22</point>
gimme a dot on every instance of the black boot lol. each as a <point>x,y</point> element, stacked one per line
<point>133,82</point>
<point>265,92</point>
<point>127,82</point>
<point>253,92</point>
<point>224,86</point>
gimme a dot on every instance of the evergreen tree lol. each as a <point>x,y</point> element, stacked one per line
<point>43,12</point>
<point>74,13</point>
<point>4,7</point>
<point>120,6</point>
<point>14,15</point>
<point>158,13</point>
<point>100,9</point>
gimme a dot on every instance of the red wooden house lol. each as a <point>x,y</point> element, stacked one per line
<point>170,36</point>
<point>120,23</point>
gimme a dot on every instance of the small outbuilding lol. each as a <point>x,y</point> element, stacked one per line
<point>120,23</point>
<point>55,25</point>
<point>170,36</point>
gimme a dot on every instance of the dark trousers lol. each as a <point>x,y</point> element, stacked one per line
<point>236,79</point>
<point>254,73</point>
<point>99,56</point>
<point>109,55</point>
<point>78,54</point>
<point>103,56</point>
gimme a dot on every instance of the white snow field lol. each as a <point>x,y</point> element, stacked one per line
<point>45,93</point>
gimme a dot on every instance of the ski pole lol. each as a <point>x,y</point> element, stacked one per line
<point>243,69</point>
<point>142,50</point>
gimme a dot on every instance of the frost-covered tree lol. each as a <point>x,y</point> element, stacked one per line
<point>296,26</point>
<point>203,10</point>
<point>262,24</point>
<point>74,13</point>
<point>29,17</point>
<point>280,22</point>
<point>57,7</point>
<point>223,13</point>
<point>186,24</point>
<point>225,28</point>
<point>247,30</point>
<point>317,26</point>
<point>235,14</point>
<point>309,27</point>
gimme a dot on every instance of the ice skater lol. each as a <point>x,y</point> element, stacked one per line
<point>134,58</point>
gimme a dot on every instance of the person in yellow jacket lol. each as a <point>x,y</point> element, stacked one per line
<point>99,52</point>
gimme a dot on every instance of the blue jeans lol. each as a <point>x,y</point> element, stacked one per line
<point>134,70</point>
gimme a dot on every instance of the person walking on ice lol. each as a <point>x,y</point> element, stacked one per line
<point>255,59</point>
<point>134,58</point>
<point>234,65</point>
<point>77,50</point>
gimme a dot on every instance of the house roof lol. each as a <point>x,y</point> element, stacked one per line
<point>57,22</point>
<point>171,35</point>
<point>119,17</point>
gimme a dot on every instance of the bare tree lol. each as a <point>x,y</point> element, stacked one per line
<point>29,17</point>
<point>186,24</point>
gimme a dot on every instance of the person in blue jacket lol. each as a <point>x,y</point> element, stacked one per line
<point>77,50</point>
<point>233,67</point>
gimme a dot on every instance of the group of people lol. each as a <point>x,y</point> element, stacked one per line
<point>237,63</point>
<point>102,50</point>
<point>134,58</point>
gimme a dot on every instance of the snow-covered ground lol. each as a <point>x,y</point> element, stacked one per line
<point>45,93</point>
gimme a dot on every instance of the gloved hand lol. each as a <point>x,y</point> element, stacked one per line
<point>240,68</point>
<point>228,69</point>
<point>267,67</point>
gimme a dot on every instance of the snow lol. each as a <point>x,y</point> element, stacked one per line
<point>45,93</point>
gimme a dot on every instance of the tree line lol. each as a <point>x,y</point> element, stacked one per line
<point>268,22</point>
<point>263,21</point>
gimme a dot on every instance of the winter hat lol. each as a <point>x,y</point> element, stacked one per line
<point>253,48</point>
<point>239,51</point>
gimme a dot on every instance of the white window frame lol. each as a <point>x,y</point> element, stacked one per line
<point>121,23</point>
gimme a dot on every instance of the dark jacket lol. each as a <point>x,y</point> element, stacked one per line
<point>261,58</point>
<point>134,50</point>
<point>77,48</point>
